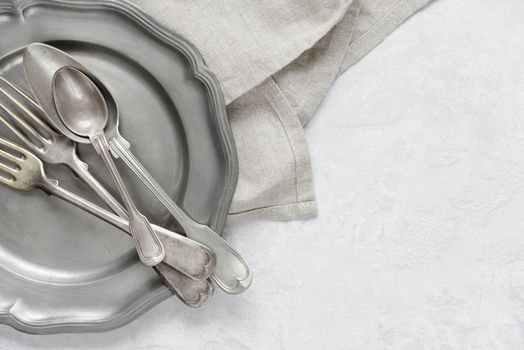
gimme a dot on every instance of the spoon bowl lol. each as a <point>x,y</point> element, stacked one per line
<point>41,62</point>
<point>79,103</point>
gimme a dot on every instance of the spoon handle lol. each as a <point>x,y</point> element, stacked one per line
<point>148,245</point>
<point>190,292</point>
<point>232,273</point>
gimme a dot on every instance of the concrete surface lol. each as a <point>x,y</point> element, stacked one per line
<point>418,155</point>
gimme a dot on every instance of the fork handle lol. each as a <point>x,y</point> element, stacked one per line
<point>192,293</point>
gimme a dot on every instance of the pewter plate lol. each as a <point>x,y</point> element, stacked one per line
<point>61,269</point>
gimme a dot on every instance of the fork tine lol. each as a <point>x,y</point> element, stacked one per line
<point>21,136</point>
<point>6,169</point>
<point>6,181</point>
<point>22,123</point>
<point>29,99</point>
<point>11,145</point>
<point>9,156</point>
<point>37,119</point>
<point>21,92</point>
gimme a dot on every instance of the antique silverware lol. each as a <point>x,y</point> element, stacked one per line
<point>173,112</point>
<point>83,110</point>
<point>24,117</point>
<point>41,62</point>
<point>23,171</point>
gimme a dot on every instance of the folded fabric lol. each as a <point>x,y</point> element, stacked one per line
<point>275,60</point>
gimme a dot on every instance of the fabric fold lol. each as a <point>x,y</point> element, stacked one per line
<point>276,60</point>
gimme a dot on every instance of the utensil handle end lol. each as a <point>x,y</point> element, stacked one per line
<point>148,245</point>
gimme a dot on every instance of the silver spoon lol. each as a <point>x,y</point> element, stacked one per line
<point>83,111</point>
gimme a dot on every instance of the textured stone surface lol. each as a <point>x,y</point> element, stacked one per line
<point>419,163</point>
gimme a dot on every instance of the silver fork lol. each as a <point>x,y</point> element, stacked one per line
<point>23,171</point>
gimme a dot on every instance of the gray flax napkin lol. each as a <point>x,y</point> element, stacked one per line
<point>275,60</point>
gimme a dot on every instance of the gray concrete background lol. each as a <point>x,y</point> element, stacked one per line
<point>418,154</point>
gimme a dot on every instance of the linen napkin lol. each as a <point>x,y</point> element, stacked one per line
<point>275,60</point>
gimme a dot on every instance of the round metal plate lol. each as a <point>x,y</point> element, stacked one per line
<point>62,270</point>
